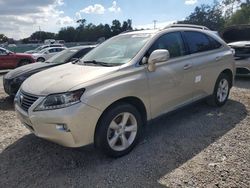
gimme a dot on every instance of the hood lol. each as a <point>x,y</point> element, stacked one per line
<point>23,55</point>
<point>30,52</point>
<point>26,69</point>
<point>35,54</point>
<point>64,77</point>
<point>240,44</point>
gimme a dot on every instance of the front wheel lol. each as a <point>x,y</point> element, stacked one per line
<point>40,59</point>
<point>221,91</point>
<point>118,130</point>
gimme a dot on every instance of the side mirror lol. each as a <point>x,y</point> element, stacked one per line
<point>157,56</point>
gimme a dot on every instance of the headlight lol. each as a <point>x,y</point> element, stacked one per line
<point>56,101</point>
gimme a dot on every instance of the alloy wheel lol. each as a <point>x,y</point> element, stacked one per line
<point>222,91</point>
<point>122,131</point>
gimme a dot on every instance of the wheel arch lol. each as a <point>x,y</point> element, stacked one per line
<point>134,101</point>
<point>229,73</point>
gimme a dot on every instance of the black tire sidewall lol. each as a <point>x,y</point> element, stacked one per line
<point>40,59</point>
<point>103,126</point>
<point>222,76</point>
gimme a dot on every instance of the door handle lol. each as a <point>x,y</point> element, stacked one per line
<point>188,66</point>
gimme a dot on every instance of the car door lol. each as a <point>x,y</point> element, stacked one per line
<point>51,53</point>
<point>171,84</point>
<point>7,60</point>
<point>207,56</point>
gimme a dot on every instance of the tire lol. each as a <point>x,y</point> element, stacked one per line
<point>221,91</point>
<point>114,137</point>
<point>40,59</point>
<point>23,62</point>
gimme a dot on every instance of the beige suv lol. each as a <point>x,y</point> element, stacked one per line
<point>113,91</point>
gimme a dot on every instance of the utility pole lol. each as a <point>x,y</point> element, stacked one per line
<point>155,23</point>
<point>40,34</point>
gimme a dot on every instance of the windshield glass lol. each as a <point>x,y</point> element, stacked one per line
<point>118,50</point>
<point>39,48</point>
<point>62,56</point>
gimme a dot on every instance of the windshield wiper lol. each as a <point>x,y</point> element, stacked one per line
<point>99,63</point>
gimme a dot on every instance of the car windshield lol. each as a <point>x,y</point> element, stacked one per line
<point>118,50</point>
<point>42,51</point>
<point>39,48</point>
<point>62,56</point>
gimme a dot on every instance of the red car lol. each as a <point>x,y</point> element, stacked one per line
<point>11,60</point>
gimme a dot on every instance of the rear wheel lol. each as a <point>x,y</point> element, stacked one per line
<point>40,59</point>
<point>221,91</point>
<point>119,130</point>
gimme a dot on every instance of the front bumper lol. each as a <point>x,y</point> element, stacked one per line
<point>80,119</point>
<point>243,66</point>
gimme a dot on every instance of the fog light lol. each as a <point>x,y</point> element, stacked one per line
<point>62,127</point>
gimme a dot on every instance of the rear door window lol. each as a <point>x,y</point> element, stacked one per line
<point>197,42</point>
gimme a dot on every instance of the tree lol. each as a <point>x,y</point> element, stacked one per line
<point>116,27</point>
<point>230,6</point>
<point>67,34</point>
<point>206,15</point>
<point>84,32</point>
<point>241,16</point>
<point>3,38</point>
<point>42,35</point>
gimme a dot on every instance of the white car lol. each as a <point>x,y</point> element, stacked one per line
<point>38,49</point>
<point>47,53</point>
<point>242,57</point>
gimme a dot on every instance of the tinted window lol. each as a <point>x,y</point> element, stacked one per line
<point>172,42</point>
<point>52,50</point>
<point>2,52</point>
<point>214,43</point>
<point>197,42</point>
<point>82,52</point>
<point>59,49</point>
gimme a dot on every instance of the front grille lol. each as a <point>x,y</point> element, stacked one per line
<point>242,52</point>
<point>26,100</point>
<point>242,71</point>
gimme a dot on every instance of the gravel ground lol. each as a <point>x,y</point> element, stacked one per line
<point>198,146</point>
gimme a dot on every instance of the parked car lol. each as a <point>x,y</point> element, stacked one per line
<point>242,57</point>
<point>14,78</point>
<point>38,49</point>
<point>47,53</point>
<point>10,60</point>
<point>109,95</point>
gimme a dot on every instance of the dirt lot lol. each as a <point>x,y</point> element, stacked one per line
<point>198,146</point>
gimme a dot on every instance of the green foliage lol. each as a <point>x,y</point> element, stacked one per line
<point>42,35</point>
<point>230,6</point>
<point>91,32</point>
<point>220,15</point>
<point>3,38</point>
<point>206,15</point>
<point>241,16</point>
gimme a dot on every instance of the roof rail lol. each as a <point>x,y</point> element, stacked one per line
<point>187,25</point>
